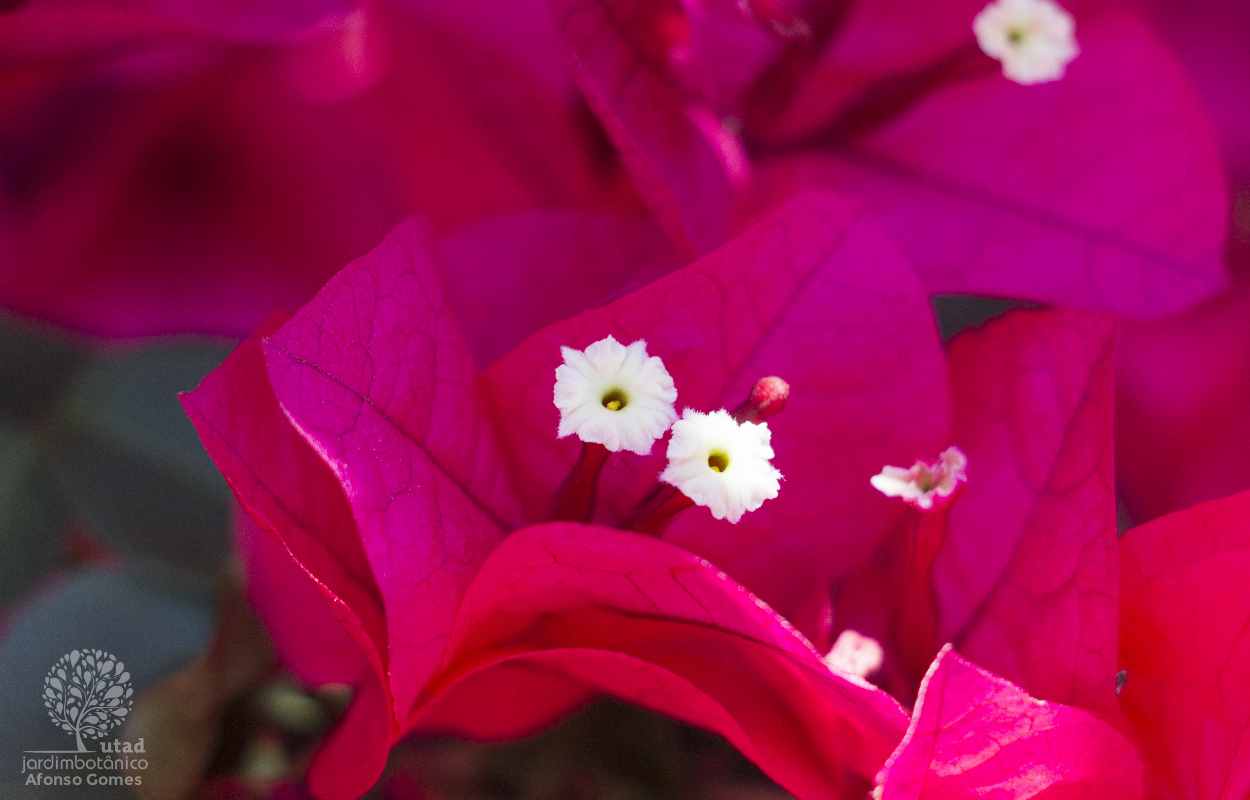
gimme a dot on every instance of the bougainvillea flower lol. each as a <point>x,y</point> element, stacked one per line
<point>376,469</point>
<point>168,167</point>
<point>1184,614</point>
<point>1017,567</point>
<point>1085,191</point>
<point>973,734</point>
<point>813,294</point>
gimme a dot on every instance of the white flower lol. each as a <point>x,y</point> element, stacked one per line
<point>920,484</point>
<point>615,395</point>
<point>720,464</point>
<point>1034,39</point>
<point>855,654</point>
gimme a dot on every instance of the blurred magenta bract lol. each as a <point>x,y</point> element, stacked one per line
<point>1102,190</point>
<point>173,167</point>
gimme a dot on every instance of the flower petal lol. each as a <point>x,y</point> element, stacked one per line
<point>374,374</point>
<point>974,734</point>
<point>1185,641</point>
<point>259,171</point>
<point>307,573</point>
<point>641,619</point>
<point>510,275</point>
<point>308,629</point>
<point>1183,407</point>
<point>1027,579</point>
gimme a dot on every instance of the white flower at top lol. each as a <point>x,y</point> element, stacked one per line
<point>1034,39</point>
<point>614,395</point>
<point>923,482</point>
<point>721,464</point>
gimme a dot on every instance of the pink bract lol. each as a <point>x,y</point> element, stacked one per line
<point>1184,616</point>
<point>974,734</point>
<point>1028,581</point>
<point>167,172</point>
<point>367,452</point>
<point>1183,407</point>
<point>1085,192</point>
<point>1024,582</point>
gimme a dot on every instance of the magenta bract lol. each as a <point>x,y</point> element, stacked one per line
<point>367,453</point>
<point>1184,613</point>
<point>1085,192</point>
<point>973,734</point>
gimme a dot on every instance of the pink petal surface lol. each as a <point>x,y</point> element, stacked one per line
<point>259,171</point>
<point>508,276</point>
<point>974,734</point>
<point>375,375</point>
<point>521,29</point>
<point>1185,641</point>
<point>1183,408</point>
<point>510,699</point>
<point>649,622</point>
<point>881,56</point>
<point>1209,37</point>
<point>1027,579</point>
<point>683,163</point>
<point>288,491</point>
<point>812,294</point>
<point>307,574</point>
<point>45,35</point>
<point>243,20</point>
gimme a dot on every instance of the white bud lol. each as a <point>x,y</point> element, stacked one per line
<point>1034,39</point>
<point>855,654</point>
<point>720,464</point>
<point>614,395</point>
<point>923,482</point>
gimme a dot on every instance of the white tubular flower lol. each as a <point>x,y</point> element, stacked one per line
<point>720,464</point>
<point>1034,39</point>
<point>614,395</point>
<point>923,482</point>
<point>855,654</point>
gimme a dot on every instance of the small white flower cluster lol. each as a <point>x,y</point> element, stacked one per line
<point>1034,39</point>
<point>617,396</point>
<point>923,482</point>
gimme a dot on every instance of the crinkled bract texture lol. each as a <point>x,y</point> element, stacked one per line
<point>974,734</point>
<point>1034,39</point>
<point>614,395</point>
<point>720,464</point>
